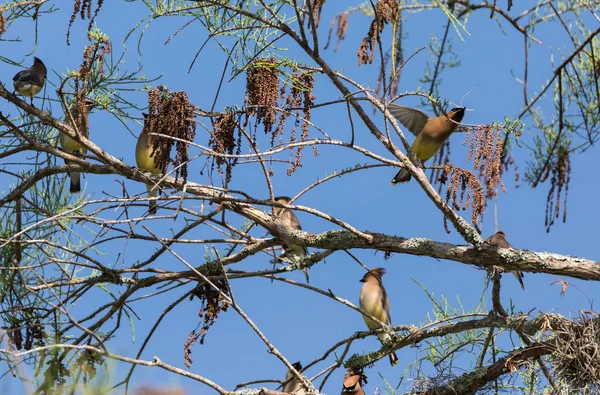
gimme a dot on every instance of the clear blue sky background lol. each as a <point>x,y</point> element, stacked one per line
<point>299,323</point>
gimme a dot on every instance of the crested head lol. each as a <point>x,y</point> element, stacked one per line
<point>297,365</point>
<point>376,273</point>
<point>38,64</point>
<point>457,114</point>
<point>501,233</point>
<point>283,199</point>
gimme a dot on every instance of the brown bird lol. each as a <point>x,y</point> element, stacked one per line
<point>499,240</point>
<point>293,385</point>
<point>29,82</point>
<point>374,300</point>
<point>352,384</point>
<point>82,125</point>
<point>145,159</point>
<point>289,219</point>
<point>431,132</point>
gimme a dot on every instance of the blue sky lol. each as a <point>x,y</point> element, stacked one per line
<point>299,323</point>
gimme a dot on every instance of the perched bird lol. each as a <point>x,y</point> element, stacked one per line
<point>374,300</point>
<point>293,385</point>
<point>145,159</point>
<point>29,82</point>
<point>289,219</point>
<point>68,144</point>
<point>352,384</point>
<point>498,239</point>
<point>431,132</point>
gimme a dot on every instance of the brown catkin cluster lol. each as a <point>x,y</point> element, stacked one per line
<point>471,193</point>
<point>441,158</point>
<point>223,141</point>
<point>84,9</point>
<point>93,54</point>
<point>560,176</point>
<point>34,334</point>
<point>262,99</point>
<point>508,162</point>
<point>302,87</point>
<point>262,91</point>
<point>2,24</point>
<point>211,305</point>
<point>485,150</point>
<point>576,354</point>
<point>342,29</point>
<point>386,11</point>
<point>317,7</point>
<point>170,114</point>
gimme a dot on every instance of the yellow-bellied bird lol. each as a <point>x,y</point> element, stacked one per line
<point>29,82</point>
<point>431,132</point>
<point>289,219</point>
<point>498,239</point>
<point>82,126</point>
<point>293,385</point>
<point>374,300</point>
<point>145,159</point>
<point>352,384</point>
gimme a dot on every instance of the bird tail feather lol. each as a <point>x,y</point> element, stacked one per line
<point>403,176</point>
<point>75,182</point>
<point>519,276</point>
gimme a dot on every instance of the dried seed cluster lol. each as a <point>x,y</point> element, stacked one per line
<point>576,355</point>
<point>471,193</point>
<point>300,96</point>
<point>317,7</point>
<point>223,141</point>
<point>211,305</point>
<point>93,54</point>
<point>262,97</point>
<point>485,149</point>
<point>34,334</point>
<point>84,9</point>
<point>2,24</point>
<point>560,175</point>
<point>172,115</point>
<point>262,91</point>
<point>386,11</point>
<point>342,28</point>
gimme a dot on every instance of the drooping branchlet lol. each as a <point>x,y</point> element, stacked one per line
<point>84,9</point>
<point>212,304</point>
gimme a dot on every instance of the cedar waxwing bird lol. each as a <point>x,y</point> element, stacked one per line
<point>70,145</point>
<point>293,385</point>
<point>498,239</point>
<point>289,219</point>
<point>352,384</point>
<point>374,300</point>
<point>29,82</point>
<point>144,157</point>
<point>431,132</point>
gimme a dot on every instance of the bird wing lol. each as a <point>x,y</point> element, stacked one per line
<point>414,120</point>
<point>386,304</point>
<point>29,76</point>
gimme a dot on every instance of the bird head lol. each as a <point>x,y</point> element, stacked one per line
<point>457,113</point>
<point>38,64</point>
<point>377,273</point>
<point>283,199</point>
<point>297,366</point>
